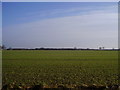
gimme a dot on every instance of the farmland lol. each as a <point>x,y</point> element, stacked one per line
<point>55,67</point>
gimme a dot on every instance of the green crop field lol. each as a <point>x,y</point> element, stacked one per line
<point>56,67</point>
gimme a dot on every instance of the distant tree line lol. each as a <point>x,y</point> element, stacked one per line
<point>58,49</point>
<point>3,47</point>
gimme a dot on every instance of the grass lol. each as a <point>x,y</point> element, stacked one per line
<point>55,67</point>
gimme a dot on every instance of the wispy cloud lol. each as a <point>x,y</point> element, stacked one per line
<point>56,13</point>
<point>98,28</point>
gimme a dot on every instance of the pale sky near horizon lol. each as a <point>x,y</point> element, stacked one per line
<point>60,24</point>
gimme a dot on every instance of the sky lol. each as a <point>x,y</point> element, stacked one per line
<point>60,24</point>
<point>0,23</point>
<point>60,0</point>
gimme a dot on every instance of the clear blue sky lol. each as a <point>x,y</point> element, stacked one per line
<point>60,24</point>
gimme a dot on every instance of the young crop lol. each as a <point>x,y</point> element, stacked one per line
<point>60,67</point>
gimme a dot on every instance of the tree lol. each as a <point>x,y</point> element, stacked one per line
<point>3,47</point>
<point>100,48</point>
<point>0,47</point>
